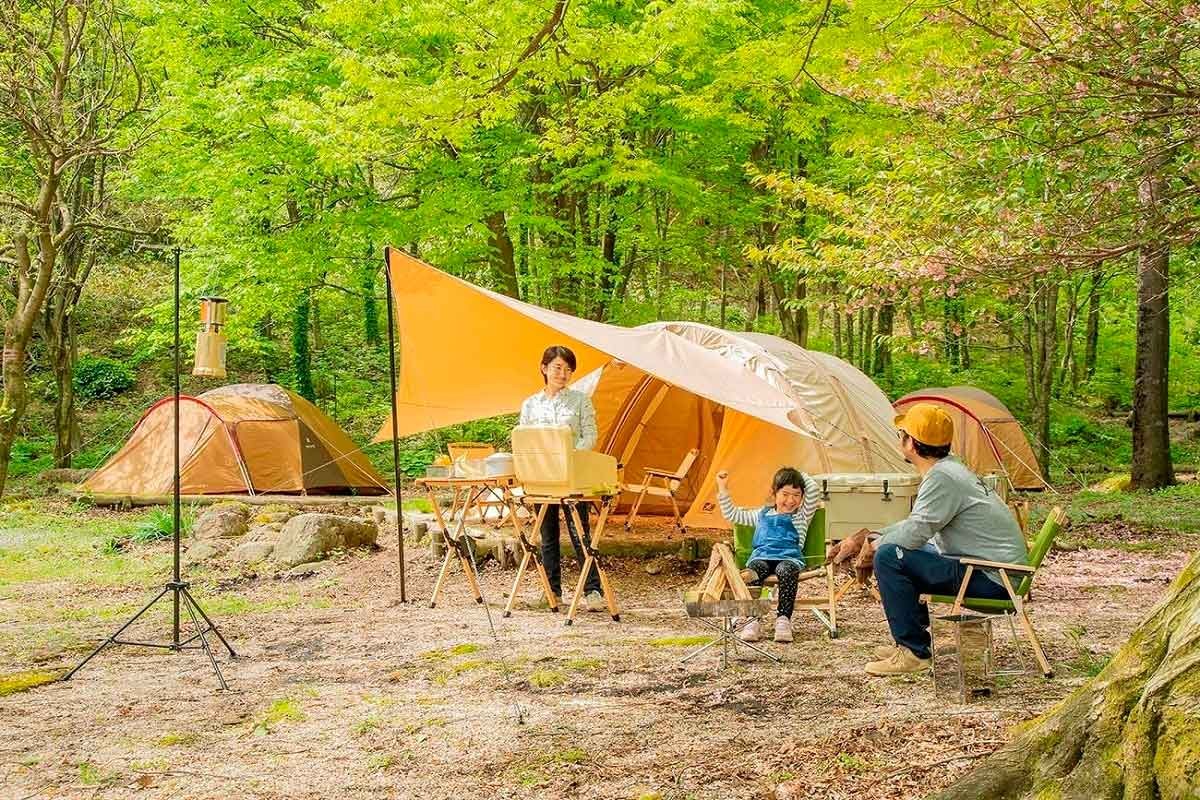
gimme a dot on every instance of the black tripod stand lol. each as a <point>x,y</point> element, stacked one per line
<point>176,588</point>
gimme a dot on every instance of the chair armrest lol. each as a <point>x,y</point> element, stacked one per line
<point>979,562</point>
<point>661,473</point>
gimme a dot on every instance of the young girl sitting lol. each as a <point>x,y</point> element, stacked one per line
<point>778,547</point>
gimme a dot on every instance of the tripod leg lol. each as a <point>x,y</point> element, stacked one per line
<point>212,626</point>
<point>190,604</point>
<point>114,636</point>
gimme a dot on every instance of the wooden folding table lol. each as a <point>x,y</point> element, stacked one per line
<point>467,494</point>
<point>543,505</point>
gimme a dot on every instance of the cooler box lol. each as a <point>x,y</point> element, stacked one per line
<point>855,500</point>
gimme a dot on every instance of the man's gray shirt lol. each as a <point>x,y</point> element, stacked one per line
<point>962,517</point>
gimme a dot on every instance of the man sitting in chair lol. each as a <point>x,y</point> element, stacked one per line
<point>955,515</point>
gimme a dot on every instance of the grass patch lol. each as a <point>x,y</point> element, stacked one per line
<point>582,664</point>
<point>381,762</point>
<point>285,709</point>
<point>177,739</point>
<point>42,541</point>
<point>680,641</point>
<point>848,763</point>
<point>366,725</point>
<point>546,678</point>
<point>420,504</point>
<point>536,771</point>
<point>1085,661</point>
<point>24,681</point>
<point>466,648</point>
<point>92,775</point>
<point>1174,510</point>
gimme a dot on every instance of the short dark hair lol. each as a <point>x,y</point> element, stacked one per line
<point>787,476</point>
<point>930,451</point>
<point>557,351</point>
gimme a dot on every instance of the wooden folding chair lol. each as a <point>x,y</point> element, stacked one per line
<point>668,483</point>
<point>1017,604</point>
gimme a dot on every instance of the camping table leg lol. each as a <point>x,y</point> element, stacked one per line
<point>592,557</point>
<point>529,553</point>
<point>460,540</point>
<point>454,542</point>
<point>447,542</point>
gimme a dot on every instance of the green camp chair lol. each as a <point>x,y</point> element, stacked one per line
<point>823,606</point>
<point>1018,603</point>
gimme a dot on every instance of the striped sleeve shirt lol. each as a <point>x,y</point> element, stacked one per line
<point>800,518</point>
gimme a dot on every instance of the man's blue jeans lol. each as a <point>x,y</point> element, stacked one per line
<point>905,574</point>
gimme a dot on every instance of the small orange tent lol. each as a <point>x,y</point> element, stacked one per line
<point>243,438</point>
<point>986,435</point>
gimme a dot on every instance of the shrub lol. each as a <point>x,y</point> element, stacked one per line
<point>98,378</point>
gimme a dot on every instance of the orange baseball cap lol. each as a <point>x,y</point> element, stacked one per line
<point>928,424</point>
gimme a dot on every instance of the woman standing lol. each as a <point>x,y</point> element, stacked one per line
<point>558,405</point>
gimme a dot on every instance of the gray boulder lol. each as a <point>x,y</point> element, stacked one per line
<point>264,533</point>
<point>251,552</point>
<point>225,521</point>
<point>311,537</point>
<point>204,550</point>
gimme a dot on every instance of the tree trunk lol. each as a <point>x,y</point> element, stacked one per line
<point>500,248</point>
<point>370,306</point>
<point>882,361</point>
<point>301,357</point>
<point>837,332</point>
<point>1039,347</point>
<point>1067,366</point>
<point>1151,464</point>
<point>868,341</point>
<point>1130,732</point>
<point>61,352</point>
<point>850,345</point>
<point>1092,336</point>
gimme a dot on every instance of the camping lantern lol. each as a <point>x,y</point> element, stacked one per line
<point>210,341</point>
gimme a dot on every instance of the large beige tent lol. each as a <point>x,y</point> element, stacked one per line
<point>240,439</point>
<point>986,435</point>
<point>750,402</point>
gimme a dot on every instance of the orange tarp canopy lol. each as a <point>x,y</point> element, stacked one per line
<point>749,402</point>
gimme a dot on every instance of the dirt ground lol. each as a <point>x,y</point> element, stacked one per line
<point>341,691</point>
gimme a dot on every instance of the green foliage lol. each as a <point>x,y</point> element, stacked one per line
<point>159,524</point>
<point>100,378</point>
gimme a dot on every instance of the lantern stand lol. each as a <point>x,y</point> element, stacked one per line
<point>177,588</point>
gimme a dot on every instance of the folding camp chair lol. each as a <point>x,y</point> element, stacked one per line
<point>670,482</point>
<point>1019,598</point>
<point>816,567</point>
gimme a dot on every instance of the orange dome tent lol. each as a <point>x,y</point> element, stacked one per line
<point>986,435</point>
<point>238,439</point>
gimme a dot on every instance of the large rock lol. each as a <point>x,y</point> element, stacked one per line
<point>224,521</point>
<point>204,550</point>
<point>311,537</point>
<point>251,552</point>
<point>264,533</point>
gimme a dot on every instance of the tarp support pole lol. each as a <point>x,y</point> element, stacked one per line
<point>387,276</point>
